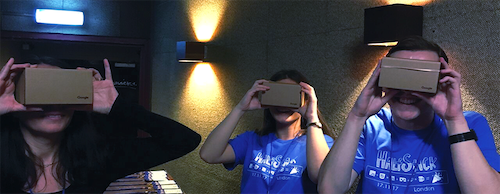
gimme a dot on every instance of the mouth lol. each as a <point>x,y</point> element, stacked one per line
<point>407,100</point>
<point>53,115</point>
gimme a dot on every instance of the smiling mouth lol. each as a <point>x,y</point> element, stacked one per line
<point>407,101</point>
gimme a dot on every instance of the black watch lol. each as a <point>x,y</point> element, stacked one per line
<point>471,135</point>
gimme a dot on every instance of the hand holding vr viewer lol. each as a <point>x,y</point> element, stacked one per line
<point>78,89</point>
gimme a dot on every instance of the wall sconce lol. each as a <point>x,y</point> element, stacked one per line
<point>385,25</point>
<point>61,17</point>
<point>191,52</point>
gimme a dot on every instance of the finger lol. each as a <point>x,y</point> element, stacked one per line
<point>375,74</point>
<point>107,70</point>
<point>97,76</point>
<point>259,82</point>
<point>388,95</point>
<point>444,63</point>
<point>20,66</point>
<point>6,68</point>
<point>451,72</point>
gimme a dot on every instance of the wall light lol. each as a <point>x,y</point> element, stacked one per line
<point>205,16</point>
<point>191,52</point>
<point>385,25</point>
<point>61,17</point>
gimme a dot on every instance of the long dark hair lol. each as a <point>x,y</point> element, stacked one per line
<point>81,151</point>
<point>269,125</point>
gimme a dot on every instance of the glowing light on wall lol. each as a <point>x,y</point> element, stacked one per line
<point>203,103</point>
<point>205,16</point>
<point>61,17</point>
<point>203,75</point>
<point>409,2</point>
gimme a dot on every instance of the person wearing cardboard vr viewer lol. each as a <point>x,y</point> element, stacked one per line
<point>283,156</point>
<point>49,143</point>
<point>425,142</point>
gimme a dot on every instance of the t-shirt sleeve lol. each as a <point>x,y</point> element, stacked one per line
<point>485,140</point>
<point>359,159</point>
<point>240,145</point>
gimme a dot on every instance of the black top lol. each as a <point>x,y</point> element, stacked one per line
<point>169,140</point>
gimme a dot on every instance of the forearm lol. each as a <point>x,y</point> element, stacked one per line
<point>474,174</point>
<point>335,172</point>
<point>317,149</point>
<point>218,139</point>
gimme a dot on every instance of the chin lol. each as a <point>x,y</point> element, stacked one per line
<point>285,116</point>
<point>405,111</point>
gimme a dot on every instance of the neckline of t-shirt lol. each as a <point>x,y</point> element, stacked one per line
<point>275,138</point>
<point>416,133</point>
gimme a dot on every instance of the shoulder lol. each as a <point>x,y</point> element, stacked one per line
<point>328,138</point>
<point>251,135</point>
<point>475,119</point>
<point>379,120</point>
<point>473,116</point>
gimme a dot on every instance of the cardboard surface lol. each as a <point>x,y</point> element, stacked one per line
<point>40,86</point>
<point>409,74</point>
<point>282,94</point>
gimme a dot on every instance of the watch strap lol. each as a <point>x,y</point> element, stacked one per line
<point>471,135</point>
<point>317,124</point>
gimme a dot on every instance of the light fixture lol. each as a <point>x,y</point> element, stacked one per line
<point>61,17</point>
<point>191,52</point>
<point>385,25</point>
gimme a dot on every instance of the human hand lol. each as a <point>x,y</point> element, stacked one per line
<point>251,99</point>
<point>371,99</point>
<point>447,102</point>
<point>105,92</point>
<point>310,108</point>
<point>7,87</point>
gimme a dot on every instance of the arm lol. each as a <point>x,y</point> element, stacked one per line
<point>473,172</point>
<point>316,145</point>
<point>216,148</point>
<point>336,173</point>
<point>169,139</point>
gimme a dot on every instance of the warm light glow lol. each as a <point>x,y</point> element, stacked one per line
<point>203,101</point>
<point>203,75</point>
<point>61,17</point>
<point>383,43</point>
<point>205,16</point>
<point>409,2</point>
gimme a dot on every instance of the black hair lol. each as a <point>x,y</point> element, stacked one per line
<point>417,43</point>
<point>269,124</point>
<point>82,150</point>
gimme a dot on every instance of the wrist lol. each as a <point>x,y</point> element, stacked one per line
<point>355,118</point>
<point>456,125</point>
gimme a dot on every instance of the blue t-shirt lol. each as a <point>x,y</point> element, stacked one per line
<point>390,158</point>
<point>272,165</point>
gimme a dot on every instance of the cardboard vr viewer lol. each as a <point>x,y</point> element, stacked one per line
<point>282,94</point>
<point>42,86</point>
<point>409,74</point>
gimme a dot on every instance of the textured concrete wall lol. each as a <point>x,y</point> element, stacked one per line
<point>322,39</point>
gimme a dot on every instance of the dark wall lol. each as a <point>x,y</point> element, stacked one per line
<point>102,18</point>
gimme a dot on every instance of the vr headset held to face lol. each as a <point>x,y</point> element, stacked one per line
<point>409,74</point>
<point>43,86</point>
<point>282,95</point>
